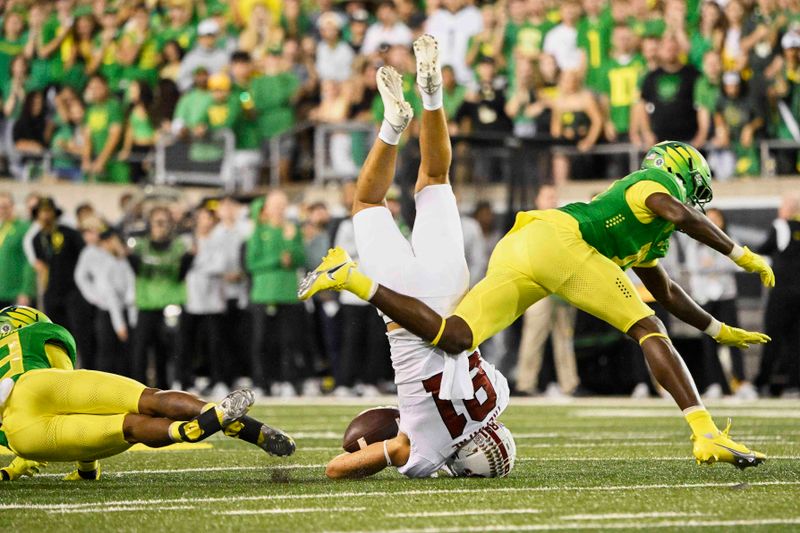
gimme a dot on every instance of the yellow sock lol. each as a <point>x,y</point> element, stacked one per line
<point>701,423</point>
<point>360,285</point>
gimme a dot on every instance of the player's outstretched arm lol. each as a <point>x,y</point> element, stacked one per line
<point>370,460</point>
<point>698,227</point>
<point>678,303</point>
<point>673,297</point>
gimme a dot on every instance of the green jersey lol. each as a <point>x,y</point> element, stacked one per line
<point>594,38</point>
<point>620,83</point>
<point>706,94</point>
<point>23,350</point>
<point>272,96</point>
<point>16,274</point>
<point>609,225</point>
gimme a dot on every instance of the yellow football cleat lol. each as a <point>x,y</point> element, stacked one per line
<point>332,274</point>
<point>709,449</point>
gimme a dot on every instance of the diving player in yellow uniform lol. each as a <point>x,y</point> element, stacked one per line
<point>579,252</point>
<point>51,412</point>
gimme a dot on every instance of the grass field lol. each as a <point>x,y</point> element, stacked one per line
<point>585,465</point>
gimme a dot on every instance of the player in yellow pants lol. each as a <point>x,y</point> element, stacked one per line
<point>580,252</point>
<point>50,412</point>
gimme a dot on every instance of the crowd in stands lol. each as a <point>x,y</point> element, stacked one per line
<point>203,297</point>
<point>98,83</point>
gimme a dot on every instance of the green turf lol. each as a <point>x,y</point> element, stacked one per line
<point>589,465</point>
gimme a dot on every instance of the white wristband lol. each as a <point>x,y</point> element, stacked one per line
<point>713,329</point>
<point>386,454</point>
<point>736,253</point>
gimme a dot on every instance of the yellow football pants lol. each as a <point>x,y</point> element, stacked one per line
<point>544,253</point>
<point>69,415</point>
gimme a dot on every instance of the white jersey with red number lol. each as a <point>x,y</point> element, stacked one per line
<point>432,269</point>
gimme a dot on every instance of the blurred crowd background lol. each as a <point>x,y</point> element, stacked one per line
<point>280,90</point>
<point>246,94</point>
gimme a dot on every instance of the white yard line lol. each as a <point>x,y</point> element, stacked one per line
<point>198,469</point>
<point>123,509</point>
<point>653,413</point>
<point>602,525</point>
<point>617,516</point>
<point>298,510</point>
<point>381,494</point>
<point>464,512</point>
<point>617,458</point>
<point>266,468</point>
<point>592,401</point>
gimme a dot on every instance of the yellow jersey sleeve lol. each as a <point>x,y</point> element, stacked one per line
<point>57,356</point>
<point>647,264</point>
<point>636,196</point>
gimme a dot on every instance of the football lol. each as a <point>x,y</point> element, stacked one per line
<point>373,425</point>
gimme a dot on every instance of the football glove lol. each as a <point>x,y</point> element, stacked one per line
<point>20,467</point>
<point>752,262</point>
<point>740,338</point>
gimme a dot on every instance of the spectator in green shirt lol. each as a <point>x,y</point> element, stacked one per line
<point>273,254</point>
<point>160,260</point>
<point>594,39</point>
<point>707,93</point>
<point>179,26</point>
<point>140,134</point>
<point>619,84</point>
<point>453,94</point>
<point>103,134</point>
<point>645,21</point>
<point>17,279</point>
<point>523,32</point>
<point>738,120</point>
<point>192,105</point>
<point>67,142</point>
<point>249,139</point>
<point>12,44</point>
<point>138,50</point>
<point>709,34</point>
<point>785,91</point>
<point>15,86</point>
<point>106,50</point>
<point>274,94</point>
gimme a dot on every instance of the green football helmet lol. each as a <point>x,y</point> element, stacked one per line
<point>685,163</point>
<point>15,317</point>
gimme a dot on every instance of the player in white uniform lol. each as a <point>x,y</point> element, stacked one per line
<point>434,432</point>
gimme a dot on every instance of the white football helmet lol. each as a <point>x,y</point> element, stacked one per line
<point>490,453</point>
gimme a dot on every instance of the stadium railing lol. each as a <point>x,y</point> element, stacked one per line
<point>767,146</point>
<point>340,149</point>
<point>187,161</point>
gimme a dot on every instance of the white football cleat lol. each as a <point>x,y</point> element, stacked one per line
<point>396,111</point>
<point>429,70</point>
